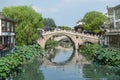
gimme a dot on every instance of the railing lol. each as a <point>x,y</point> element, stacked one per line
<point>114,30</point>
<point>71,32</point>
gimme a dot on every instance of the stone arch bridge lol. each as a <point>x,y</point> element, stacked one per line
<point>77,38</point>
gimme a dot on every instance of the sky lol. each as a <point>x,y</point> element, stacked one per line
<point>64,12</point>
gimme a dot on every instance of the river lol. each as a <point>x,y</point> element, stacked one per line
<point>67,64</point>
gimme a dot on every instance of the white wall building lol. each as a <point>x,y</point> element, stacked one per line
<point>113,14</point>
<point>113,26</point>
<point>7,32</point>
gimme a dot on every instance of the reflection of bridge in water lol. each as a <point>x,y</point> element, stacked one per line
<point>76,58</point>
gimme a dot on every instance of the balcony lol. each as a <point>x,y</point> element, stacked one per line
<point>114,30</point>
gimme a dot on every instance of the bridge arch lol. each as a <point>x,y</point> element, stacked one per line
<point>76,38</point>
<point>72,39</point>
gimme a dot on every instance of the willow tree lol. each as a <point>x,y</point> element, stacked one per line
<point>49,22</point>
<point>93,20</point>
<point>27,19</point>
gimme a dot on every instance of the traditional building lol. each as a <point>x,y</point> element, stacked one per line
<point>79,27</point>
<point>7,33</point>
<point>112,26</point>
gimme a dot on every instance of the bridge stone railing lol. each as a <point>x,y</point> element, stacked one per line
<point>77,38</point>
<point>70,32</point>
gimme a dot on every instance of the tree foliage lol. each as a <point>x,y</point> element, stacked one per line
<point>64,28</point>
<point>93,20</point>
<point>51,44</point>
<point>27,23</point>
<point>49,22</point>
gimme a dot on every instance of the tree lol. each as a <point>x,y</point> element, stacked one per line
<point>27,23</point>
<point>49,22</point>
<point>64,28</point>
<point>51,44</point>
<point>93,20</point>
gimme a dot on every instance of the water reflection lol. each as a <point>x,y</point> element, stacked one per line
<point>76,68</point>
<point>30,72</point>
<point>64,53</point>
<point>64,56</point>
<point>79,72</point>
<point>100,72</point>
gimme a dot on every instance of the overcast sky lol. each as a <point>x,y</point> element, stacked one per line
<point>64,12</point>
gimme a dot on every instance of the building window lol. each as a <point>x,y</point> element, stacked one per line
<point>114,41</point>
<point>0,39</point>
<point>11,27</point>
<point>6,42</point>
<point>118,25</point>
<point>4,26</point>
<point>117,14</point>
<point>1,47</point>
<point>8,26</point>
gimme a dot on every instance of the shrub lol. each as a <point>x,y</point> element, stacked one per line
<point>13,62</point>
<point>101,55</point>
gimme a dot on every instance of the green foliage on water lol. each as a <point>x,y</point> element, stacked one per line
<point>12,63</point>
<point>101,55</point>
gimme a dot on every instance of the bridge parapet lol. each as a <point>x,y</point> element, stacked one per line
<point>77,38</point>
<point>67,32</point>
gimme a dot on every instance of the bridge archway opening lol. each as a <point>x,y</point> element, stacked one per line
<point>54,35</point>
<point>51,53</point>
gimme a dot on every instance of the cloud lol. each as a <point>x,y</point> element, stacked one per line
<point>45,9</point>
<point>62,4</point>
<point>56,7</point>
